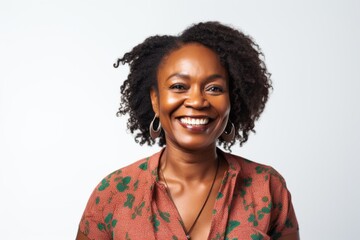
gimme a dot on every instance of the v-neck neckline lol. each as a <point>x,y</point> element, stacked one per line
<point>219,210</point>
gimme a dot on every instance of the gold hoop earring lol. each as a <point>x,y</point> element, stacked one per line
<point>154,133</point>
<point>229,136</point>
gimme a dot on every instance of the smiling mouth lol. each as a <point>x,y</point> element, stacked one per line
<point>194,121</point>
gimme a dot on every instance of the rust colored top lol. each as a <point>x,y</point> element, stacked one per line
<point>252,203</point>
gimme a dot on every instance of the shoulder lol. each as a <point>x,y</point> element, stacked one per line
<point>116,186</point>
<point>131,171</point>
<point>263,197</point>
<point>115,191</point>
<point>255,178</point>
<point>124,179</point>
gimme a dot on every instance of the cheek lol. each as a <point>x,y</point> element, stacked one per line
<point>169,102</point>
<point>222,105</point>
<point>226,110</point>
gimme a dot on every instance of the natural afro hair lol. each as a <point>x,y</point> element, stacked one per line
<point>249,80</point>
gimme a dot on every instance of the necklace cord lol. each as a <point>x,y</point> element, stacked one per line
<point>204,204</point>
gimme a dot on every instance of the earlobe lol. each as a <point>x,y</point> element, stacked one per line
<point>154,101</point>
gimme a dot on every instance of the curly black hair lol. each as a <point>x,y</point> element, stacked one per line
<point>249,80</point>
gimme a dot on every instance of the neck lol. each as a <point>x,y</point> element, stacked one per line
<point>189,166</point>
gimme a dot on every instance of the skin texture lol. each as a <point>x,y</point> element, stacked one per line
<point>192,83</point>
<point>249,80</point>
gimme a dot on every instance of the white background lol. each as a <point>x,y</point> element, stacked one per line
<point>59,94</point>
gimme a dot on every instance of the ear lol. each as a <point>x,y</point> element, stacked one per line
<point>154,101</point>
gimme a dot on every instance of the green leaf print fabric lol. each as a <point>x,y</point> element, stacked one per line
<point>253,203</point>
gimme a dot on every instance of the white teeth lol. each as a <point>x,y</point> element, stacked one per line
<point>194,121</point>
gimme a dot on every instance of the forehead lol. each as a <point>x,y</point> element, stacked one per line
<point>191,58</point>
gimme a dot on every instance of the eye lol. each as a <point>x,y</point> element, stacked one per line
<point>178,87</point>
<point>215,89</point>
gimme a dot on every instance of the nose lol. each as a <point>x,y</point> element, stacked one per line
<point>196,99</point>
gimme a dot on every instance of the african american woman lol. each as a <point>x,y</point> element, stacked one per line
<point>190,94</point>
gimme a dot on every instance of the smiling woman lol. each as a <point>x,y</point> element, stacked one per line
<point>192,97</point>
<point>192,92</point>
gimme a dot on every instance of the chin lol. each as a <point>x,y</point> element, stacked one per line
<point>195,145</point>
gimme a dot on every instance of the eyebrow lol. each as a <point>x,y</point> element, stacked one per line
<point>187,77</point>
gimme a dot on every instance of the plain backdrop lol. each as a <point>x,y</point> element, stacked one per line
<point>59,93</point>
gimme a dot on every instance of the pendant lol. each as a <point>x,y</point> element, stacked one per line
<point>188,237</point>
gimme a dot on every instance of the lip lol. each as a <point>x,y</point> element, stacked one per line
<point>194,116</point>
<point>193,127</point>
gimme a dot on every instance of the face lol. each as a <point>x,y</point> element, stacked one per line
<point>192,100</point>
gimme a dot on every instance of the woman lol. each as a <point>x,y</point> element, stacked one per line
<point>191,92</point>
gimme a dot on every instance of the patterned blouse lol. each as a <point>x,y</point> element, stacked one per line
<point>252,203</point>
